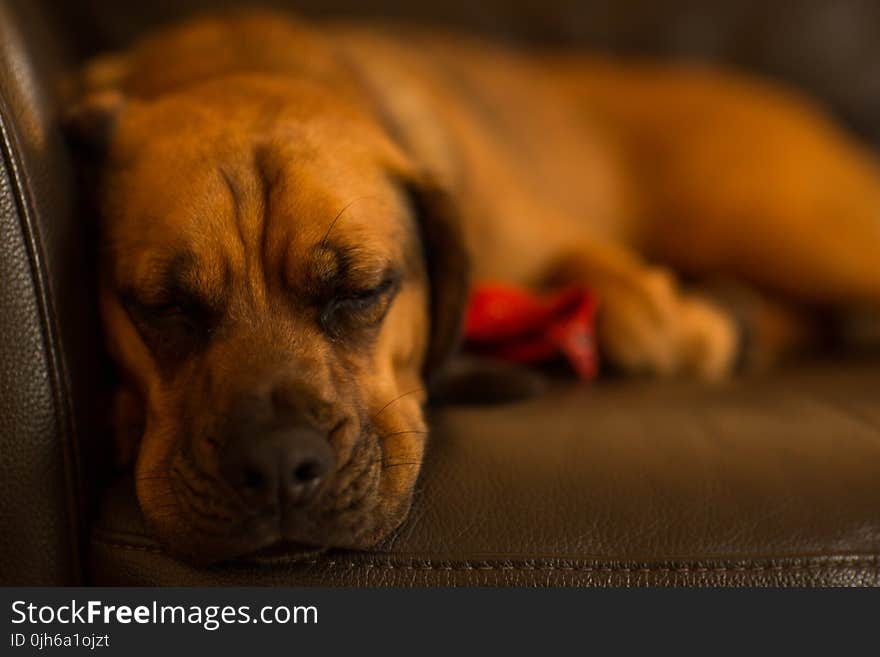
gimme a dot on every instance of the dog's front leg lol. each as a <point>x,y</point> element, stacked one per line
<point>646,322</point>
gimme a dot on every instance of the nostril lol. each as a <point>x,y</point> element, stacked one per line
<point>307,472</point>
<point>253,479</point>
<point>307,468</point>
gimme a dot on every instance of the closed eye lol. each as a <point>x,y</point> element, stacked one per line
<point>369,296</point>
<point>164,312</point>
<point>173,327</point>
<point>350,310</point>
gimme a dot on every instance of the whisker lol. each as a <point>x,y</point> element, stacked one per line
<point>398,465</point>
<point>399,433</point>
<point>398,398</point>
<point>323,242</point>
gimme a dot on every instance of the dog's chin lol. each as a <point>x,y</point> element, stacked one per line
<point>263,540</point>
<point>200,548</point>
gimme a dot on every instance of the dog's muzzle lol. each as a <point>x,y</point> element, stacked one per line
<point>274,458</point>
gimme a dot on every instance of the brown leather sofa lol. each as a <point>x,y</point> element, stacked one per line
<point>770,480</point>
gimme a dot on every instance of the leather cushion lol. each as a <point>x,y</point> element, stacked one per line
<point>770,480</point>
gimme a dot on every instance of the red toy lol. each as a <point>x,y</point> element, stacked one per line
<point>512,324</point>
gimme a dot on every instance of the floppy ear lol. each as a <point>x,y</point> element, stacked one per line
<point>90,123</point>
<point>451,377</point>
<point>448,269</point>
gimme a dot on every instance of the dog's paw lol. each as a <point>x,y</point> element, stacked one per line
<point>646,324</point>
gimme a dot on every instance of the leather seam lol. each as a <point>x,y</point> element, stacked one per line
<point>847,562</point>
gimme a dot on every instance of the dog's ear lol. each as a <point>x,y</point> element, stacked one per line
<point>90,123</point>
<point>448,268</point>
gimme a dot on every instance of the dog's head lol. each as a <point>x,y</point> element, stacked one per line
<point>277,278</point>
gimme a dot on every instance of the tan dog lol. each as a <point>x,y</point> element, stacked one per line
<point>290,212</point>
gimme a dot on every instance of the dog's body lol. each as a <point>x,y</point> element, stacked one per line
<point>281,172</point>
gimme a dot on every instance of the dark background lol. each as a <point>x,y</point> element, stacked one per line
<point>831,47</point>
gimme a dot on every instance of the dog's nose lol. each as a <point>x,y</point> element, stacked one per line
<point>286,465</point>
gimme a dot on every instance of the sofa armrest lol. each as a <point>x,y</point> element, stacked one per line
<point>47,328</point>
